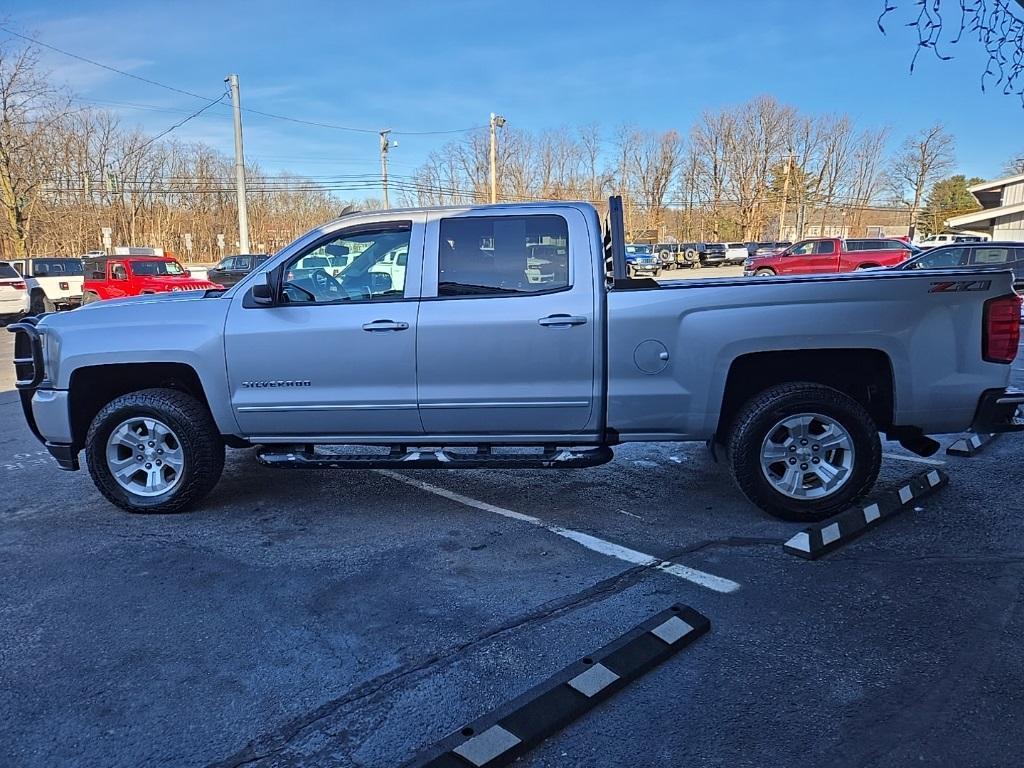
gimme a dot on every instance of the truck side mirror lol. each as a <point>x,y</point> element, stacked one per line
<point>262,293</point>
<point>266,289</point>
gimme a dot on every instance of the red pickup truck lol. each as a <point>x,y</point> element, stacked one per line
<point>829,255</point>
<point>114,277</point>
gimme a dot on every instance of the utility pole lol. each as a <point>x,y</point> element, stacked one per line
<point>243,212</point>
<point>785,195</point>
<point>385,145</point>
<point>497,121</point>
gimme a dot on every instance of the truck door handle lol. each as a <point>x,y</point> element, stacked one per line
<point>562,321</point>
<point>385,325</point>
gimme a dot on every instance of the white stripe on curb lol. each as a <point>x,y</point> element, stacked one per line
<point>593,543</point>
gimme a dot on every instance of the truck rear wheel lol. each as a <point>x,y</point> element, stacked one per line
<point>804,451</point>
<point>41,303</point>
<point>154,451</point>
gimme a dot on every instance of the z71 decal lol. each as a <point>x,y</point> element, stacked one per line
<point>959,286</point>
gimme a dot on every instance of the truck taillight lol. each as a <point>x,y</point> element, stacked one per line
<point>1001,329</point>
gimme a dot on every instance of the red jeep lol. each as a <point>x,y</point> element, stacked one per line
<point>114,277</point>
<point>828,256</point>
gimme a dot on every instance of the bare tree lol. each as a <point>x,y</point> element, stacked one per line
<point>655,158</point>
<point>30,113</point>
<point>921,160</point>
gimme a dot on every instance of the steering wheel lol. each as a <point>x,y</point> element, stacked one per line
<point>325,283</point>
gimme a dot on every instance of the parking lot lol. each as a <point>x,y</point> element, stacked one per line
<point>354,618</point>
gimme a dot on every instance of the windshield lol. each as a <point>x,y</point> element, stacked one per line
<point>45,267</point>
<point>157,268</point>
<point>639,249</point>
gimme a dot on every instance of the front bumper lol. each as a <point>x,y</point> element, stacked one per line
<point>999,410</point>
<point>46,410</point>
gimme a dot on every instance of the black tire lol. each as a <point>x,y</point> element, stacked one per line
<point>201,444</point>
<point>764,272</point>
<point>40,304</point>
<point>89,297</point>
<point>657,272</point>
<point>759,415</point>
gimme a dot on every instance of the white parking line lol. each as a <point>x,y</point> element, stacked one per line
<point>914,459</point>
<point>632,556</point>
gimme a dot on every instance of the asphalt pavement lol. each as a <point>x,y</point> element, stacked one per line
<point>354,618</point>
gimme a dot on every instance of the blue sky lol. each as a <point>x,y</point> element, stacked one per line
<point>446,64</point>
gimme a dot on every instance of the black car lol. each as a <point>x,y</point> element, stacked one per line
<point>234,268</point>
<point>984,254</point>
<point>713,254</point>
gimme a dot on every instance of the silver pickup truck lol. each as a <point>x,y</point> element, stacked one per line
<point>497,336</point>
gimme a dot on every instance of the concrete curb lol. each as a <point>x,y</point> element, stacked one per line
<point>811,543</point>
<point>503,735</point>
<point>970,444</point>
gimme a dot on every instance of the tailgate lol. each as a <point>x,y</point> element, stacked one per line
<point>61,286</point>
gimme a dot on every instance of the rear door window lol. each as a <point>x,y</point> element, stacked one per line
<point>6,270</point>
<point>825,247</point>
<point>992,256</point>
<point>503,255</point>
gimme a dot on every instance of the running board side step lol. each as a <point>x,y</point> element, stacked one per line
<point>434,458</point>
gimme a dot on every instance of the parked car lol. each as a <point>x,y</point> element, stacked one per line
<point>234,268</point>
<point>771,247</point>
<point>473,355</point>
<point>115,277</point>
<point>689,255</point>
<point>669,253</point>
<point>13,293</point>
<point>994,254</point>
<point>933,241</point>
<point>827,256</point>
<point>736,253</point>
<point>713,255</point>
<point>54,282</point>
<point>641,260</point>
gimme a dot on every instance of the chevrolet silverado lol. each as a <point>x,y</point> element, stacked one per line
<point>500,340</point>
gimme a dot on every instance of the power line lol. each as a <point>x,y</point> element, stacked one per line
<point>103,66</point>
<point>180,123</point>
<point>333,126</point>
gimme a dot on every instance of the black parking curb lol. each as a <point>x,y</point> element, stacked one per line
<point>970,444</point>
<point>811,543</point>
<point>506,733</point>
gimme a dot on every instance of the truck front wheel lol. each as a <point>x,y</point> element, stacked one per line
<point>154,451</point>
<point>804,451</point>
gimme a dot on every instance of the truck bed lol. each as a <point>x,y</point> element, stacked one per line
<point>918,322</point>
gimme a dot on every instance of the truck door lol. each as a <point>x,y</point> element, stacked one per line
<point>337,356</point>
<point>507,329</point>
<point>117,280</point>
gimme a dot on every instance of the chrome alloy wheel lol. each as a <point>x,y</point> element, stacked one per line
<point>144,456</point>
<point>807,456</point>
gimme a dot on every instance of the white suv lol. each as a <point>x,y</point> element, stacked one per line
<point>948,238</point>
<point>13,293</point>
